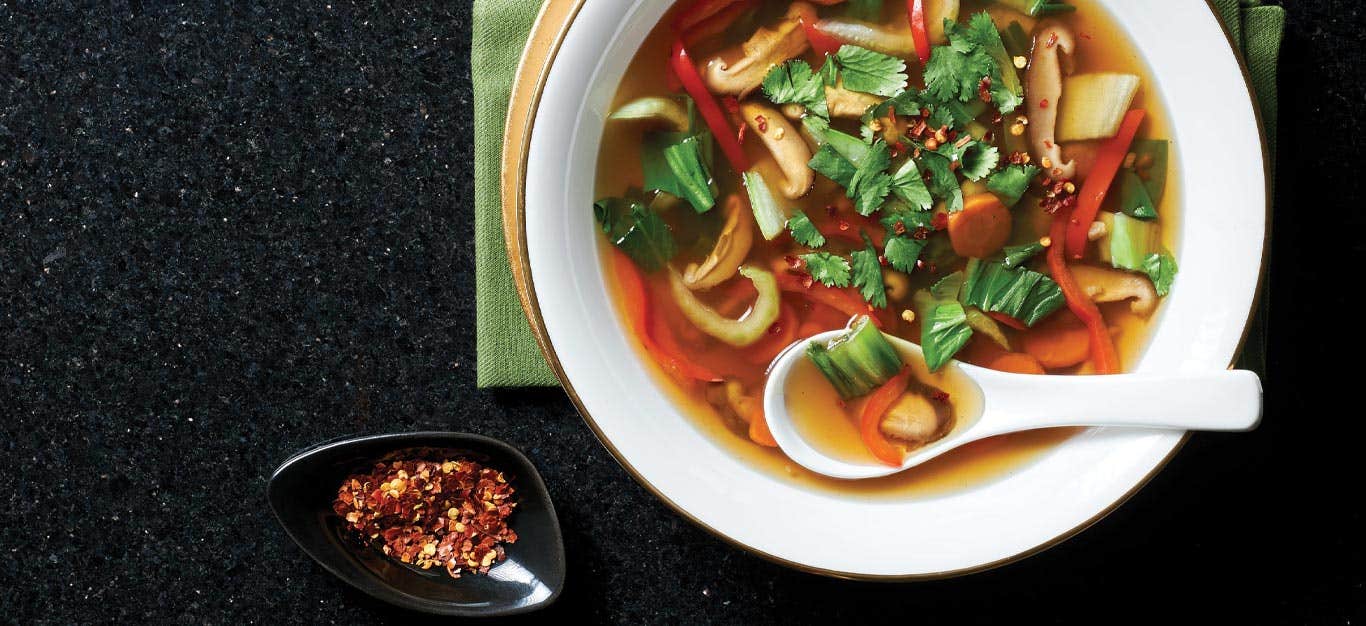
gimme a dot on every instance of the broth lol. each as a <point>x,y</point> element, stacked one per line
<point>1101,46</point>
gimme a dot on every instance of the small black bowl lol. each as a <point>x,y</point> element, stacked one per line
<point>302,490</point>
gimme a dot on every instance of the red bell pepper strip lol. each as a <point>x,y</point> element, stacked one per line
<point>717,23</point>
<point>648,326</point>
<point>822,43</point>
<point>716,119</point>
<point>843,300</point>
<point>1103,353</point>
<point>915,10</point>
<point>1097,184</point>
<point>870,422</point>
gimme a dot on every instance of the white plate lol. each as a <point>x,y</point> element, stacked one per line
<point>1221,246</point>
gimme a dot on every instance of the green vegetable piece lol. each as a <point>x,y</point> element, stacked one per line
<point>1036,8</point>
<point>1151,162</point>
<point>1023,294</point>
<point>770,217</point>
<point>827,269</point>
<point>1128,241</point>
<point>1016,256</point>
<point>902,252</point>
<point>857,361</point>
<point>1017,41</point>
<point>637,231</point>
<point>678,166</point>
<point>869,72</point>
<point>1161,268</point>
<point>868,276</point>
<point>1134,200</point>
<point>803,231</point>
<point>1010,183</point>
<point>944,328</point>
<point>909,186</point>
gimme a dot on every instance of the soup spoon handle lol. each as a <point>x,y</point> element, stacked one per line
<point>1228,400</point>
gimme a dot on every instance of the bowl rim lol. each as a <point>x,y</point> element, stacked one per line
<point>547,34</point>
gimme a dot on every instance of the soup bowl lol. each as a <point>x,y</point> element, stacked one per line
<point>577,56</point>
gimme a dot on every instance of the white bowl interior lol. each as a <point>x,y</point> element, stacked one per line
<point>1220,252</point>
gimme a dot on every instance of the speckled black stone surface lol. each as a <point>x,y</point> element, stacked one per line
<point>229,230</point>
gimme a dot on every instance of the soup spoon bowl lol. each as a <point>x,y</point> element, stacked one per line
<point>988,403</point>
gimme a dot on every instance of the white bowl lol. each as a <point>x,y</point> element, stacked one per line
<point>1221,248</point>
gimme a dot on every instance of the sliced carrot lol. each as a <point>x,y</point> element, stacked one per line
<point>758,429</point>
<point>981,228</point>
<point>870,422</point>
<point>652,330</point>
<point>1059,341</point>
<point>1017,363</point>
<point>1103,353</point>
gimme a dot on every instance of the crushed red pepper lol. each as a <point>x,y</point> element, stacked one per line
<point>451,513</point>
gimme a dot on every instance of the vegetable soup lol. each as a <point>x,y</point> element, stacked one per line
<point>987,179</point>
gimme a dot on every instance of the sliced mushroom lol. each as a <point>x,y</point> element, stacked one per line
<point>1043,84</point>
<point>914,418</point>
<point>731,248</point>
<point>786,144</point>
<point>895,38</point>
<point>764,49</point>
<point>1112,285</point>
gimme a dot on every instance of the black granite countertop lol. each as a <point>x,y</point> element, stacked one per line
<point>229,230</point>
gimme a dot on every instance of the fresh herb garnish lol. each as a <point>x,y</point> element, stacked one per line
<point>902,252</point>
<point>942,182</point>
<point>1011,182</point>
<point>638,231</point>
<point>975,54</point>
<point>909,185</point>
<point>677,165</point>
<point>793,82</point>
<point>868,276</point>
<point>867,71</point>
<point>804,231</point>
<point>1161,268</point>
<point>827,269</point>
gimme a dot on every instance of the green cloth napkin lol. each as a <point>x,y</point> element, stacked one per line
<point>506,350</point>
<point>507,355</point>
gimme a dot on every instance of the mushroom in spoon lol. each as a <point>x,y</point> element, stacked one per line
<point>986,403</point>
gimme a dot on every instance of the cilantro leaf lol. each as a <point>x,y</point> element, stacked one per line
<point>829,163</point>
<point>638,231</point>
<point>902,252</point>
<point>870,184</point>
<point>909,219</point>
<point>1161,268</point>
<point>975,52</point>
<point>827,269</point>
<point>870,72</point>
<point>942,183</point>
<point>978,159</point>
<point>793,82</point>
<point>868,277</point>
<point>909,185</point>
<point>1010,183</point>
<point>803,231</point>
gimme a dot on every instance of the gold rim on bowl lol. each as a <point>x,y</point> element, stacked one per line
<point>547,35</point>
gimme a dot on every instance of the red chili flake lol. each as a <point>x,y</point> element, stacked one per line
<point>897,149</point>
<point>740,134</point>
<point>984,89</point>
<point>1043,104</point>
<point>794,262</point>
<point>899,227</point>
<point>762,122</point>
<point>1052,39</point>
<point>940,221</point>
<point>882,260</point>
<point>1086,36</point>
<point>1046,143</point>
<point>776,328</point>
<point>941,396</point>
<point>920,233</point>
<point>844,225</point>
<point>450,513</point>
<point>807,281</point>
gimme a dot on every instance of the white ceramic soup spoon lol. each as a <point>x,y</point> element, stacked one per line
<point>989,403</point>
